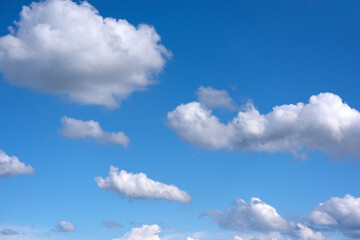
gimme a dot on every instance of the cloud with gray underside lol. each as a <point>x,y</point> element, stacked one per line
<point>66,48</point>
<point>325,124</point>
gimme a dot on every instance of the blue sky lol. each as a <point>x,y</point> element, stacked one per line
<point>166,108</point>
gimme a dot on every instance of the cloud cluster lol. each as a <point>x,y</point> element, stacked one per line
<point>61,47</point>
<point>338,214</point>
<point>64,226</point>
<point>140,186</point>
<point>258,216</point>
<point>11,166</point>
<point>213,98</point>
<point>325,124</point>
<point>145,232</point>
<point>78,129</point>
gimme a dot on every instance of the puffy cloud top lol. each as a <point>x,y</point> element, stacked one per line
<point>255,215</point>
<point>11,166</point>
<point>140,186</point>
<point>61,47</point>
<point>145,232</point>
<point>341,214</point>
<point>259,216</point>
<point>326,124</point>
<point>78,129</point>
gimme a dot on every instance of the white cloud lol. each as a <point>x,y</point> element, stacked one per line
<point>339,214</point>
<point>145,232</point>
<point>77,129</point>
<point>302,232</point>
<point>326,124</point>
<point>140,186</point>
<point>237,238</point>
<point>64,226</point>
<point>11,166</point>
<point>190,238</point>
<point>257,216</point>
<point>213,98</point>
<point>62,47</point>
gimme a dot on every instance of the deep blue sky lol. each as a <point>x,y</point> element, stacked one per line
<point>270,52</point>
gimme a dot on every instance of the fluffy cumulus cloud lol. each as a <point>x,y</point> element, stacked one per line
<point>339,214</point>
<point>258,216</point>
<point>62,47</point>
<point>145,232</point>
<point>64,226</point>
<point>11,166</point>
<point>138,185</point>
<point>213,98</point>
<point>255,215</point>
<point>325,124</point>
<point>78,129</point>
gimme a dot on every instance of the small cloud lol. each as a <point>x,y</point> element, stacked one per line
<point>78,129</point>
<point>138,185</point>
<point>8,231</point>
<point>112,224</point>
<point>213,98</point>
<point>145,232</point>
<point>64,226</point>
<point>11,166</point>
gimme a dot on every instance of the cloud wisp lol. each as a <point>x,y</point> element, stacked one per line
<point>78,129</point>
<point>112,224</point>
<point>138,185</point>
<point>11,166</point>
<point>61,47</point>
<point>325,124</point>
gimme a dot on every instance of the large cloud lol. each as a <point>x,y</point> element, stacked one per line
<point>339,214</point>
<point>258,216</point>
<point>11,166</point>
<point>64,226</point>
<point>61,47</point>
<point>140,186</point>
<point>326,124</point>
<point>78,129</point>
<point>145,232</point>
<point>213,98</point>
